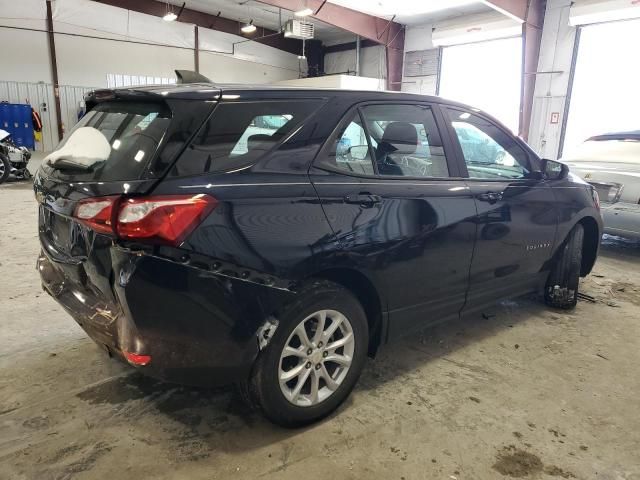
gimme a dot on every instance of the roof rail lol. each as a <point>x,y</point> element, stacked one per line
<point>189,76</point>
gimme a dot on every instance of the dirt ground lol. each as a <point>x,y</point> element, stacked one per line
<point>525,392</point>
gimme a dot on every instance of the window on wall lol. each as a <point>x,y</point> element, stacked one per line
<point>605,97</point>
<point>115,80</point>
<point>486,75</point>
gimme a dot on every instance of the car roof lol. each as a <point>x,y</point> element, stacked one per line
<point>215,91</point>
<point>206,91</point>
<point>632,135</point>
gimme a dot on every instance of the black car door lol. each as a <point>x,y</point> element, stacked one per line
<point>399,209</point>
<point>517,215</point>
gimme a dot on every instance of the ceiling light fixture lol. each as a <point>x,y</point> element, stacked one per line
<point>404,8</point>
<point>169,16</point>
<point>305,12</point>
<point>249,27</point>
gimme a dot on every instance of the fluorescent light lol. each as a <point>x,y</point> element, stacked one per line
<point>249,27</point>
<point>169,17</point>
<point>116,144</point>
<point>387,8</point>
<point>139,156</point>
<point>305,12</point>
<point>301,57</point>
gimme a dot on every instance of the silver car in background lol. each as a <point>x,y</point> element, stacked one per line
<point>611,163</point>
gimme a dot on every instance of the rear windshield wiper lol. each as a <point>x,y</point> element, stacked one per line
<point>68,165</point>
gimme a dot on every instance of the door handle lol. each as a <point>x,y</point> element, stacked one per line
<point>491,197</point>
<point>363,198</point>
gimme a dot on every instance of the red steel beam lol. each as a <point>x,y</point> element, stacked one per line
<point>516,9</point>
<point>382,31</point>
<point>213,22</point>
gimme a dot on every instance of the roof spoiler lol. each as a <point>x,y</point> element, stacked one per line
<point>189,76</point>
<point>633,135</point>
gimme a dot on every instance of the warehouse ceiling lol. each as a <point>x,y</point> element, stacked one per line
<point>415,12</point>
<point>408,12</point>
<point>263,16</point>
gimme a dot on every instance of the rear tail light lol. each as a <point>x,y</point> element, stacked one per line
<point>137,359</point>
<point>165,219</point>
<point>97,213</point>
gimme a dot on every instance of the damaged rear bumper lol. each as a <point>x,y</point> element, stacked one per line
<point>199,328</point>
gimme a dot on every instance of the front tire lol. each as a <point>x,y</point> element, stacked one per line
<point>315,356</point>
<point>5,168</point>
<point>561,290</point>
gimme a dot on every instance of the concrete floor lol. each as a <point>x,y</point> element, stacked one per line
<point>528,392</point>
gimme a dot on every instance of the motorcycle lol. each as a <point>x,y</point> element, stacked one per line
<point>13,159</point>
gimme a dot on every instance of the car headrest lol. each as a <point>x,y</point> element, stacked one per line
<point>400,137</point>
<point>260,141</point>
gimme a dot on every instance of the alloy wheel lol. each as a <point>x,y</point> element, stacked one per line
<point>316,358</point>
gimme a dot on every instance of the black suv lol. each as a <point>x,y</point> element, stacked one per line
<point>275,237</point>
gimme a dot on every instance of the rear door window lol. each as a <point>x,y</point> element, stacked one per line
<point>350,150</point>
<point>400,140</point>
<point>406,141</point>
<point>239,133</point>
<point>113,142</point>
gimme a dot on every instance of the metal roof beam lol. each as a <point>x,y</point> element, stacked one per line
<point>519,10</point>
<point>381,31</point>
<point>212,22</point>
<point>374,28</point>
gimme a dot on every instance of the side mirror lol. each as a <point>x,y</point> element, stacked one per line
<point>359,152</point>
<point>553,170</point>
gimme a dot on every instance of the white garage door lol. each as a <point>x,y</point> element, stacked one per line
<point>606,87</point>
<point>486,75</point>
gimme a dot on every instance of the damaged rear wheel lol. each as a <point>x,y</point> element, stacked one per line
<point>314,358</point>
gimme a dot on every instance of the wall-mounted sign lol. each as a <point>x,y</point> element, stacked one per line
<point>555,117</point>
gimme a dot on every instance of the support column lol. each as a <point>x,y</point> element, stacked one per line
<point>54,70</point>
<point>531,39</point>
<point>196,49</point>
<point>395,57</point>
<point>357,55</point>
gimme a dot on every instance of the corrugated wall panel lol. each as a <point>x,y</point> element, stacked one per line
<point>40,96</point>
<point>70,99</point>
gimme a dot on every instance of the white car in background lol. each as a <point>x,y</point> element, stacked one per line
<point>611,163</point>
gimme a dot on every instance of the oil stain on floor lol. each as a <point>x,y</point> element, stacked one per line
<point>516,463</point>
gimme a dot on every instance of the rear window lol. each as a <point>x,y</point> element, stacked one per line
<point>239,133</point>
<point>113,142</point>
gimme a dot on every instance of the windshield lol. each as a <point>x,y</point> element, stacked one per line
<point>113,142</point>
